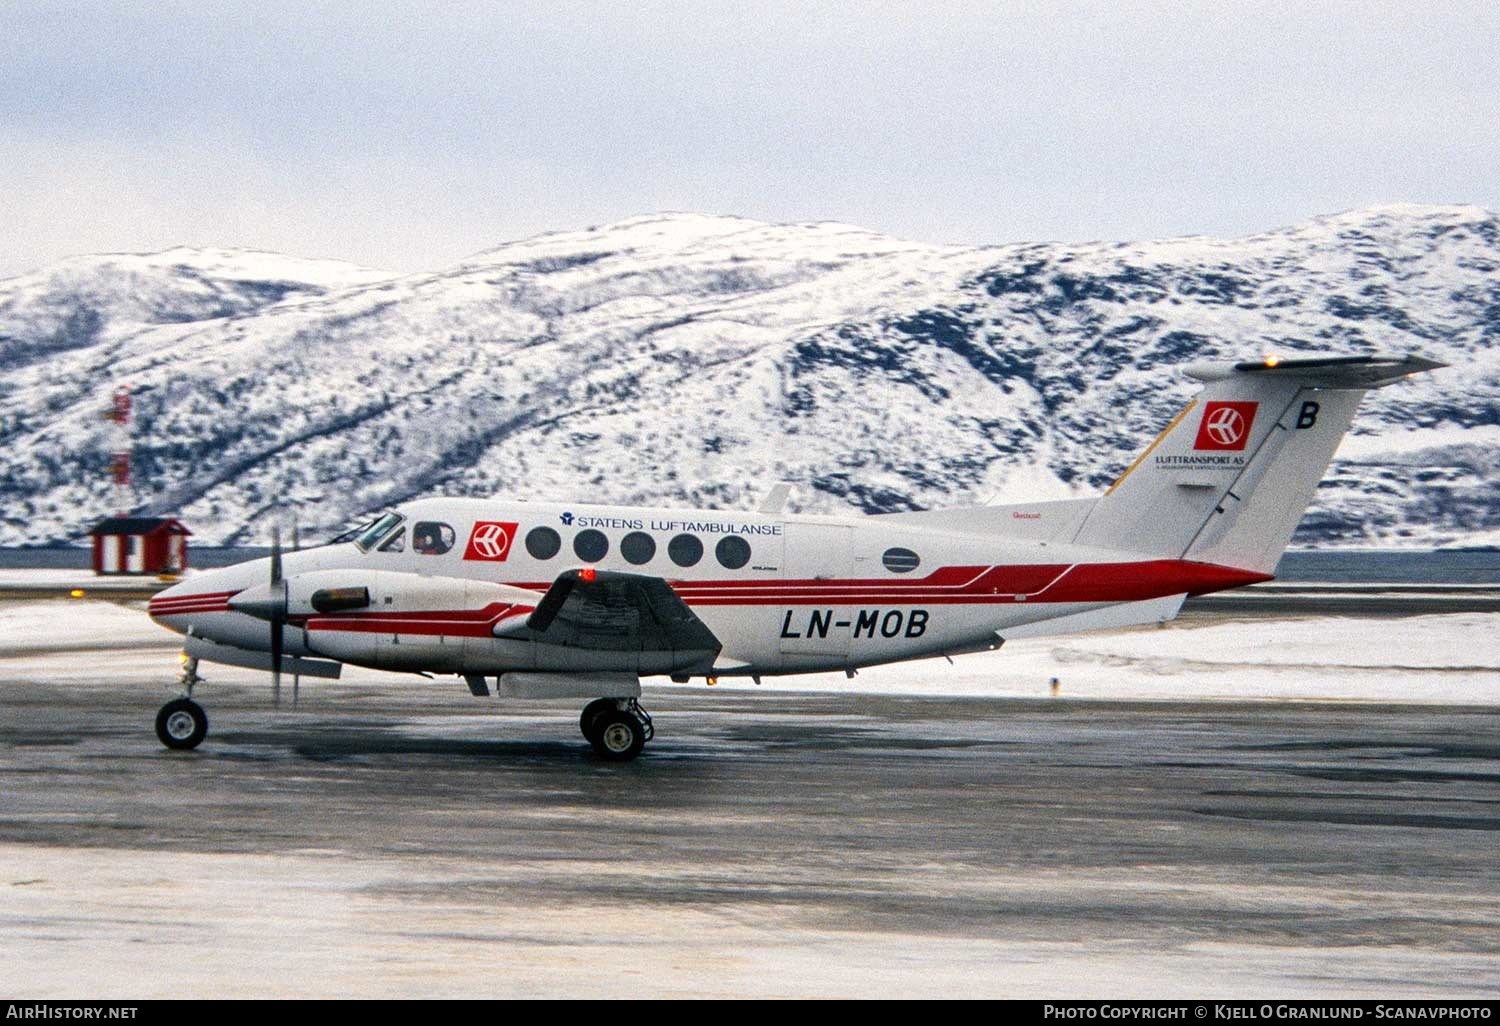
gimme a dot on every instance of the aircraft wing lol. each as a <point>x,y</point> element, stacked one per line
<point>610,610</point>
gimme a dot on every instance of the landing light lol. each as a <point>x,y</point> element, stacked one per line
<point>76,593</point>
<point>1272,360</point>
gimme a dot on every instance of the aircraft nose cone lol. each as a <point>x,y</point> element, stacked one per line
<point>162,602</point>
<point>175,606</point>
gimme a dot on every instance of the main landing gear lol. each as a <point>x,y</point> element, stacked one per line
<point>182,723</point>
<point>618,728</point>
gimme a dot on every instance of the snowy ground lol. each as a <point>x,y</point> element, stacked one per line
<point>1452,658</point>
<point>1440,658</point>
<point>66,577</point>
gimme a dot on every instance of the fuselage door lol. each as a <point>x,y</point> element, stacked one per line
<point>816,568</point>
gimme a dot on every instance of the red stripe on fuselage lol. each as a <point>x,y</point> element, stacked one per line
<point>965,584</point>
<point>176,605</point>
<point>948,578</point>
<point>461,623</point>
<point>1045,582</point>
<point>1051,582</point>
<point>1135,582</point>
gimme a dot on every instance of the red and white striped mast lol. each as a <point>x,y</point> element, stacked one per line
<point>119,460</point>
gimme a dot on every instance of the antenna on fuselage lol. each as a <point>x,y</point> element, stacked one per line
<point>775,500</point>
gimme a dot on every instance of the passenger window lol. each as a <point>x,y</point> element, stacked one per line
<point>431,538</point>
<point>732,551</point>
<point>637,547</point>
<point>396,542</point>
<point>543,543</point>
<point>685,550</point>
<point>591,545</point>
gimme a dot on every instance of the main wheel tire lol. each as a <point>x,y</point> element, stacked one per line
<point>182,724</point>
<point>618,736</point>
<point>591,713</point>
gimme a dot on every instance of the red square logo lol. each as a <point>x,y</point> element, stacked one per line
<point>1225,426</point>
<point>490,541</point>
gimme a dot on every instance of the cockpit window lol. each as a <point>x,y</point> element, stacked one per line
<point>349,535</point>
<point>370,536</point>
<point>431,538</point>
<point>395,543</point>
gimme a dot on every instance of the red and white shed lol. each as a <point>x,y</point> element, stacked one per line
<point>140,545</point>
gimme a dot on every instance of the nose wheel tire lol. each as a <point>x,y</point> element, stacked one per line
<point>617,736</point>
<point>181,724</point>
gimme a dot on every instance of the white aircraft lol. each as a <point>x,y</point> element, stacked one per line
<point>582,601</point>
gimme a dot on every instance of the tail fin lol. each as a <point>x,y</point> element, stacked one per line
<point>1229,479</point>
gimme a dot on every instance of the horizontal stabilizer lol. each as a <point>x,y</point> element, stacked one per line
<point>1362,372</point>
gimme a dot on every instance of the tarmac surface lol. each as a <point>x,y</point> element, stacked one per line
<point>409,840</point>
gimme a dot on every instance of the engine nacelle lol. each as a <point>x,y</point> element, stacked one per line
<point>396,621</point>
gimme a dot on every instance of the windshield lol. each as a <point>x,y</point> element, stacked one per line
<point>368,537</point>
<point>349,535</point>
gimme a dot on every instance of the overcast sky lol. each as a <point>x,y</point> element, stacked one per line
<point>409,135</point>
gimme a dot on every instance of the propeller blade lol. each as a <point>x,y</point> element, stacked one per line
<point>278,619</point>
<point>276,642</point>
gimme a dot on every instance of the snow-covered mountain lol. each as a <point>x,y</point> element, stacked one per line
<point>696,359</point>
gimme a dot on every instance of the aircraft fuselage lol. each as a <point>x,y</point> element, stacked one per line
<point>780,593</point>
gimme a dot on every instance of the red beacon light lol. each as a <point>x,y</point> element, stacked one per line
<point>586,574</point>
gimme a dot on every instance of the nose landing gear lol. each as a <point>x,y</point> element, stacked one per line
<point>182,723</point>
<point>618,728</point>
